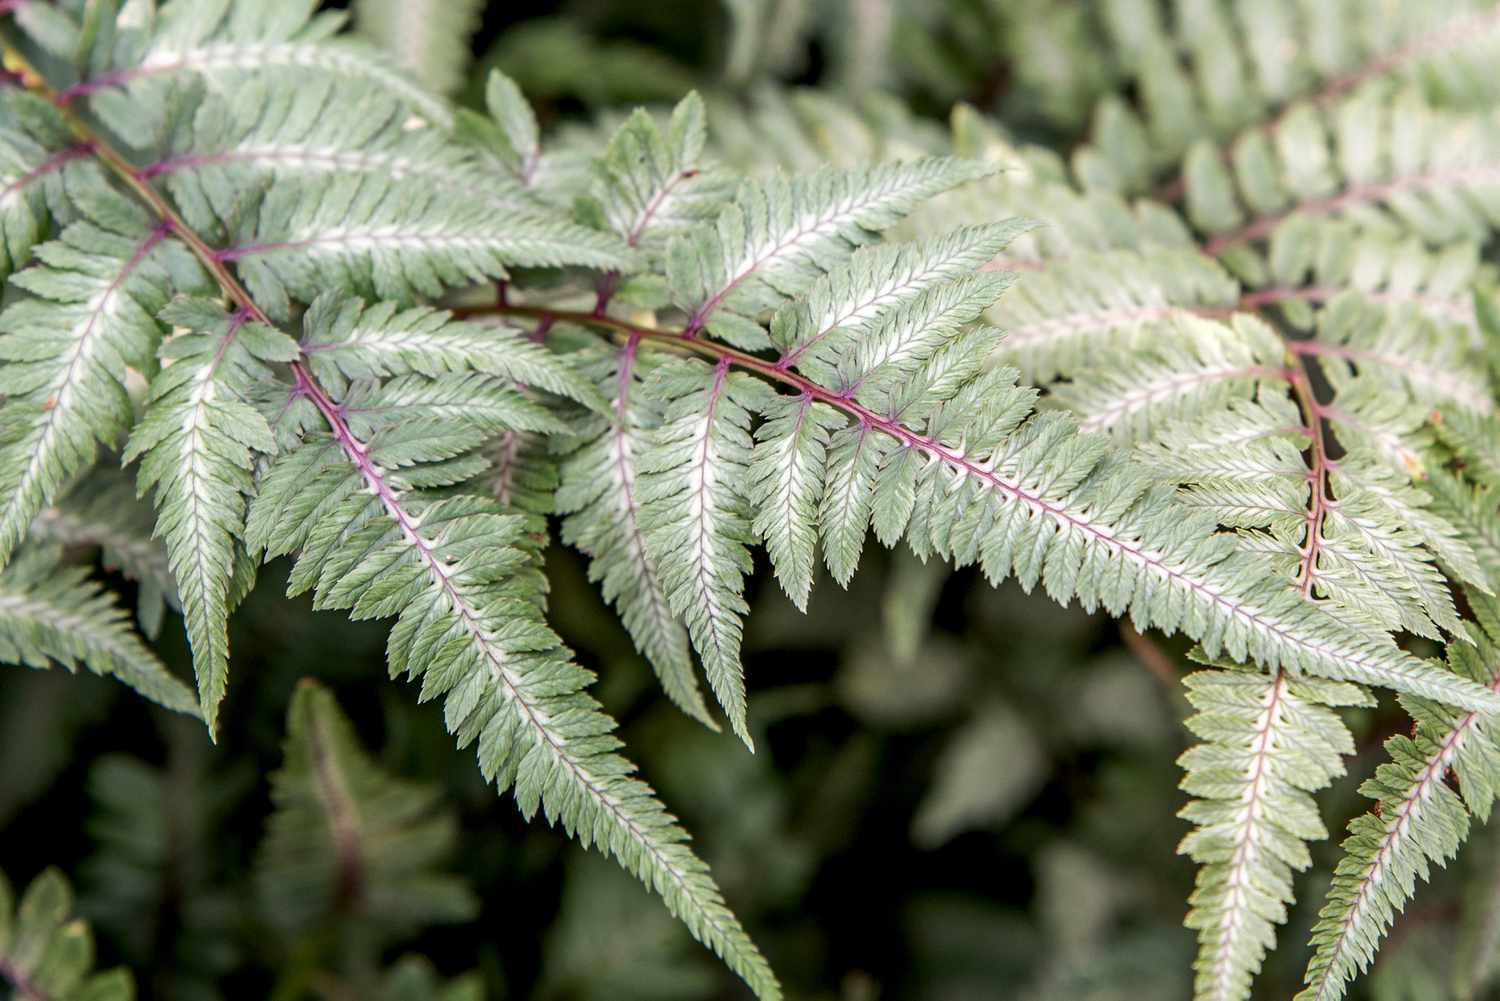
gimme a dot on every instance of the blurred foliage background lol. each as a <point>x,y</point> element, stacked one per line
<point>960,792</point>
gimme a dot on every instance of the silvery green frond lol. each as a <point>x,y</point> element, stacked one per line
<point>346,836</point>
<point>197,444</point>
<point>694,514</point>
<point>224,151</point>
<point>347,338</point>
<point>47,952</point>
<point>1222,70</point>
<point>651,183</point>
<point>428,39</point>
<point>50,614</point>
<point>1061,317</point>
<point>508,144</point>
<point>126,73</point>
<point>837,314</point>
<point>778,237</point>
<point>600,494</point>
<point>386,239</point>
<point>95,293</point>
<point>1191,368</point>
<point>1389,162</point>
<point>1419,820</point>
<point>1268,743</point>
<point>786,477</point>
<point>453,571</point>
<point>1470,508</point>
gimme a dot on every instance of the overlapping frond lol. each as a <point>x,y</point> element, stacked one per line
<point>52,614</point>
<point>47,952</point>
<point>103,512</point>
<point>223,44</point>
<point>40,161</point>
<point>600,495</point>
<point>346,836</point>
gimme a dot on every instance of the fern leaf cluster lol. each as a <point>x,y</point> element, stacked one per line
<point>244,250</point>
<point>46,952</point>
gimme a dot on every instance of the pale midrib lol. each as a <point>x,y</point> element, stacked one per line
<point>1246,846</point>
<point>703,466</point>
<point>627,507</point>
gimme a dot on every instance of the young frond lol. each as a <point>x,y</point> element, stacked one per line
<point>346,836</point>
<point>651,184</point>
<point>50,614</point>
<point>1420,820</point>
<point>46,952</point>
<point>1269,743</point>
<point>197,446</point>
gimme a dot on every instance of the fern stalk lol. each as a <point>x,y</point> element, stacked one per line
<point>776,371</point>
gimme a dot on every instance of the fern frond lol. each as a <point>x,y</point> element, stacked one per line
<point>1269,742</point>
<point>223,44</point>
<point>196,446</point>
<point>92,315</point>
<point>1229,71</point>
<point>601,495</point>
<point>652,185</point>
<point>694,518</point>
<point>55,615</point>
<point>346,836</point>
<point>1058,319</point>
<point>387,240</point>
<point>470,626</point>
<point>46,952</point>
<point>350,339</point>
<point>1419,820</point>
<point>1393,163</point>
<point>296,134</point>
<point>776,239</point>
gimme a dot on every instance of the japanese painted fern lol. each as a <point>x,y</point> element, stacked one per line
<point>253,263</point>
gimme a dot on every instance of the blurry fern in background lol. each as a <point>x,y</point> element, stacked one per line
<point>1223,372</point>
